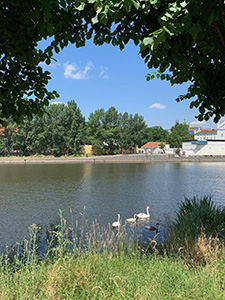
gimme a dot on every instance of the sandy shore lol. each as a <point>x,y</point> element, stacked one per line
<point>131,158</point>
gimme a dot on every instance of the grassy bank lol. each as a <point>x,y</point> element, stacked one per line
<point>108,265</point>
<point>118,276</point>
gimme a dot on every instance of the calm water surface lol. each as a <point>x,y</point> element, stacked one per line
<point>35,193</point>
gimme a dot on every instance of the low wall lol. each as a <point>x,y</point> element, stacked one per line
<point>142,158</point>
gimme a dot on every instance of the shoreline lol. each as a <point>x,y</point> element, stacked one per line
<point>119,158</point>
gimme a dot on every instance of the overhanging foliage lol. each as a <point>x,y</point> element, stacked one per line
<point>184,40</point>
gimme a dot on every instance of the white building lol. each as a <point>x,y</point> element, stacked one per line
<point>204,134</point>
<point>207,142</point>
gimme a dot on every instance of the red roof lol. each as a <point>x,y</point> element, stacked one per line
<point>208,129</point>
<point>152,144</point>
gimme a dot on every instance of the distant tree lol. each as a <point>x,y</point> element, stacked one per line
<point>21,137</point>
<point>74,127</point>
<point>6,140</point>
<point>39,134</point>
<point>178,133</point>
<point>156,134</point>
<point>162,147</point>
<point>125,136</point>
<point>103,130</point>
<point>65,127</point>
<point>138,129</point>
<point>60,129</point>
<point>95,130</point>
<point>111,131</point>
<point>132,131</point>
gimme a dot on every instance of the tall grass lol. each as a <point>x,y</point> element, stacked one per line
<point>198,229</point>
<point>100,263</point>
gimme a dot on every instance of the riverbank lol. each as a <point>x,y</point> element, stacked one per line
<point>130,158</point>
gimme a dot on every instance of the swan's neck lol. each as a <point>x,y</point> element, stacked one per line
<point>118,218</point>
<point>148,211</point>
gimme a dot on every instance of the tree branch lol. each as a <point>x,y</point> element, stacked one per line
<point>215,26</point>
<point>223,19</point>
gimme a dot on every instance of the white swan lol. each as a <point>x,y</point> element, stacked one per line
<point>134,219</point>
<point>143,215</point>
<point>153,228</point>
<point>116,224</point>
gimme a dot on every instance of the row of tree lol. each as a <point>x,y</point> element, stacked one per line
<point>63,129</point>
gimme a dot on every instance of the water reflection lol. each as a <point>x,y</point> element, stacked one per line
<point>35,193</point>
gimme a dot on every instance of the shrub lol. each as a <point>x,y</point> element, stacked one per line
<point>195,219</point>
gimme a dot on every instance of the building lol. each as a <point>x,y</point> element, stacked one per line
<point>204,134</point>
<point>152,147</point>
<point>206,142</point>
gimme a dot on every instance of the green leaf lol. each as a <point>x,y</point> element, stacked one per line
<point>94,20</point>
<point>103,19</point>
<point>148,41</point>
<point>63,3</point>
<point>57,50</point>
<point>136,4</point>
<point>153,2</point>
<point>194,30</point>
<point>211,18</point>
<point>79,6</point>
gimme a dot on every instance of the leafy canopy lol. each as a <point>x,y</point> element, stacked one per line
<point>183,40</point>
<point>179,132</point>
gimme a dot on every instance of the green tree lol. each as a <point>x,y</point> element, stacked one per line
<point>6,140</point>
<point>21,137</point>
<point>95,131</point>
<point>103,131</point>
<point>74,127</point>
<point>137,127</point>
<point>184,40</point>
<point>109,132</point>
<point>162,147</point>
<point>179,132</point>
<point>65,127</point>
<point>125,136</point>
<point>156,134</point>
<point>39,135</point>
<point>132,131</point>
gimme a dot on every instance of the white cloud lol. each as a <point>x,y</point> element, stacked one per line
<point>103,73</point>
<point>158,106</point>
<point>73,72</point>
<point>198,123</point>
<point>57,103</point>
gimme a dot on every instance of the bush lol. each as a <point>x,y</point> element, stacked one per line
<point>196,218</point>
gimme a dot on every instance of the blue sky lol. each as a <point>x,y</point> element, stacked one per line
<point>103,76</point>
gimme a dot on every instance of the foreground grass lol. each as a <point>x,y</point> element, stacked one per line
<point>115,276</point>
<point>108,265</point>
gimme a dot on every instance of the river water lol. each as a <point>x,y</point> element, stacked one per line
<point>35,193</point>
